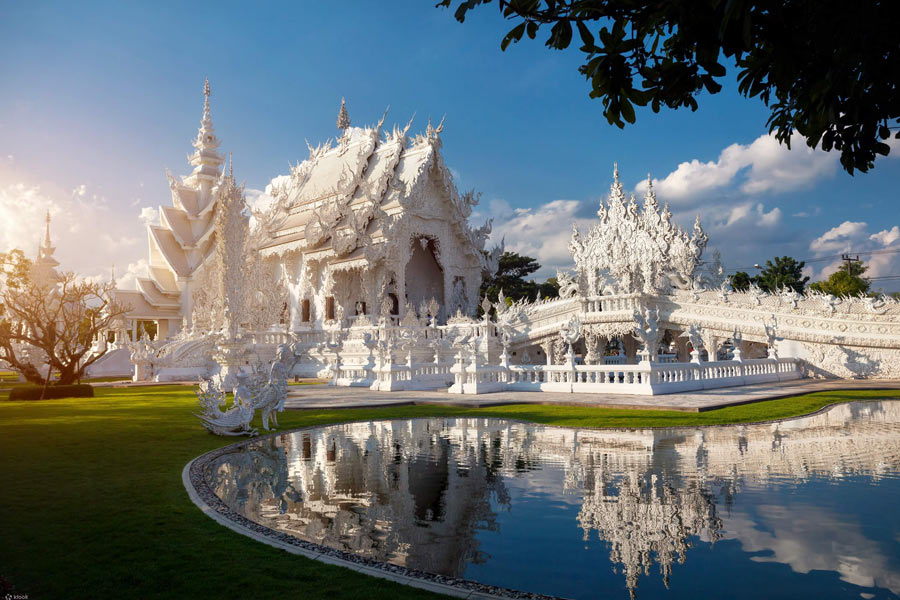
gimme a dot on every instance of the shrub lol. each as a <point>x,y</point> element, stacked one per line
<point>34,392</point>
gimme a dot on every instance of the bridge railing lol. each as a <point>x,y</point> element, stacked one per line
<point>645,378</point>
<point>390,376</point>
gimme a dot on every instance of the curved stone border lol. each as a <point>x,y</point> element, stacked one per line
<point>206,500</point>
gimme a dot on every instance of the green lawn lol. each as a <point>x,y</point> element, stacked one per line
<point>92,504</point>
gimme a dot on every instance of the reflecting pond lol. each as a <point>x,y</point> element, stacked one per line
<point>797,509</point>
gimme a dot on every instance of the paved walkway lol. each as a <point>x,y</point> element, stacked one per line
<point>327,397</point>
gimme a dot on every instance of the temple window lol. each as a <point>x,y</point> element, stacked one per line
<point>329,308</point>
<point>304,311</point>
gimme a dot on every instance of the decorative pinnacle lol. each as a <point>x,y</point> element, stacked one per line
<point>207,116</point>
<point>343,120</point>
<point>47,234</point>
<point>230,166</point>
<point>616,171</point>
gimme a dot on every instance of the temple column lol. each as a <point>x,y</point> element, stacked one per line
<point>547,347</point>
<point>162,329</point>
<point>187,303</point>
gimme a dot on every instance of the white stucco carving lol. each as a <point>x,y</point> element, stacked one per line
<point>366,262</point>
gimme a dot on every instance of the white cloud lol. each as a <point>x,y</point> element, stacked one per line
<point>838,239</point>
<point>887,236</point>
<point>258,199</point>
<point>135,270</point>
<point>542,232</point>
<point>761,166</point>
<point>853,237</point>
<point>149,215</point>
<point>87,232</point>
<point>893,142</point>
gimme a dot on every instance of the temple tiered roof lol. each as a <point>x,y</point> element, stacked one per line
<point>343,195</point>
<point>183,239</point>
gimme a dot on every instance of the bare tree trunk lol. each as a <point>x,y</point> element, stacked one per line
<point>47,381</point>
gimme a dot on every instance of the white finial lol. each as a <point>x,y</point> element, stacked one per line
<point>207,115</point>
<point>206,137</point>
<point>409,124</point>
<point>112,274</point>
<point>230,166</point>
<point>47,234</point>
<point>343,120</point>
<point>616,171</point>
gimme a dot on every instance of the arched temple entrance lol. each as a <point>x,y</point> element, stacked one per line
<point>424,275</point>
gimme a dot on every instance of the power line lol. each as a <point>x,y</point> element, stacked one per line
<point>833,257</point>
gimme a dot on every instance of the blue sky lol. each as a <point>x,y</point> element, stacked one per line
<point>98,98</point>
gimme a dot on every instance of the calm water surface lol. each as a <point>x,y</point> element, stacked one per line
<point>806,508</point>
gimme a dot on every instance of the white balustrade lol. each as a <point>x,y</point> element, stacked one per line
<point>641,379</point>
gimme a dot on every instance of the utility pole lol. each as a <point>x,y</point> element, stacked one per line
<point>850,260</point>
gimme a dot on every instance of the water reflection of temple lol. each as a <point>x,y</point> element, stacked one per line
<point>416,492</point>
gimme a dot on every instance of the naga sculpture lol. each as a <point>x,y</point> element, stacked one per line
<point>252,392</point>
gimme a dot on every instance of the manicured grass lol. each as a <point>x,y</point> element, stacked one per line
<point>92,504</point>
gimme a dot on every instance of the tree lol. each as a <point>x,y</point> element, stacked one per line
<point>510,277</point>
<point>844,283</point>
<point>784,272</point>
<point>827,69</point>
<point>740,281</point>
<point>46,327</point>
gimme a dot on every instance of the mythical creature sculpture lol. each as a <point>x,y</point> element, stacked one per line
<point>771,336</point>
<point>790,296</point>
<point>695,338</point>
<point>570,333</point>
<point>647,332</point>
<point>252,392</point>
<point>568,286</point>
<point>143,357</point>
<point>873,305</point>
<point>232,421</point>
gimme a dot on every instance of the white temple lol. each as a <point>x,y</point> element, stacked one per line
<point>367,266</point>
<point>43,269</point>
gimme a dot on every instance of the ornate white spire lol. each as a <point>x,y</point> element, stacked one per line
<point>47,243</point>
<point>635,248</point>
<point>205,159</point>
<point>343,120</point>
<point>44,267</point>
<point>206,135</point>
